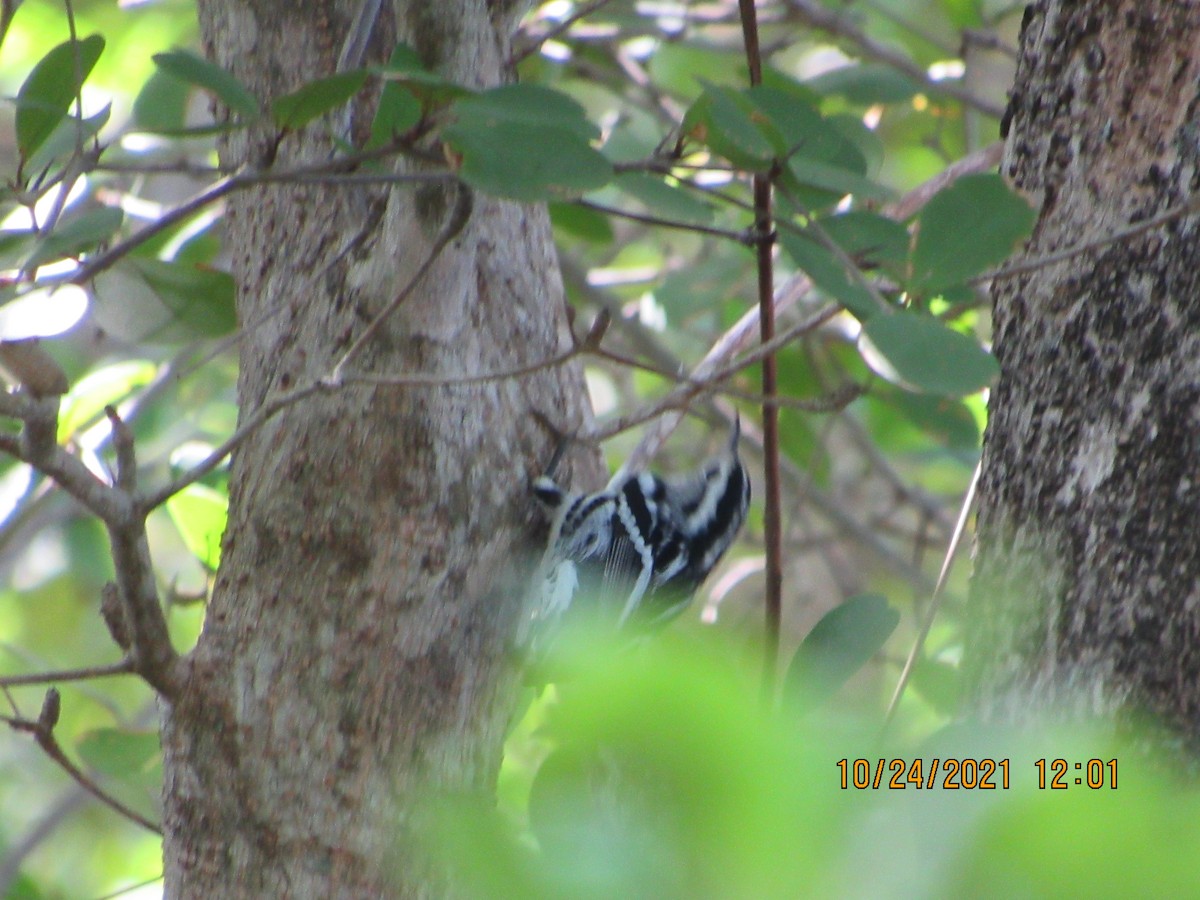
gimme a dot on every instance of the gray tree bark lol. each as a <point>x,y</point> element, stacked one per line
<point>356,655</point>
<point>1086,597</point>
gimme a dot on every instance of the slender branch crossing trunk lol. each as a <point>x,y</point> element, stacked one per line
<point>356,654</point>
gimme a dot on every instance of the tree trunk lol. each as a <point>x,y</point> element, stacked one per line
<point>1086,597</point>
<point>356,655</point>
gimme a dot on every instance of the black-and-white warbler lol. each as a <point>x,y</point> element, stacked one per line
<point>636,552</point>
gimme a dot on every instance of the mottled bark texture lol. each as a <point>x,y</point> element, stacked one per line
<point>357,652</point>
<point>1086,597</point>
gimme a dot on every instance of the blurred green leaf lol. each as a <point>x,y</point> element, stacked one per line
<point>581,222</point>
<point>838,646</point>
<point>196,70</point>
<point>76,234</point>
<point>155,301</point>
<point>398,109</point>
<point>405,68</point>
<point>526,143</point>
<point>795,126</point>
<point>46,94</point>
<point>833,178</point>
<point>865,84</point>
<point>939,683</point>
<point>161,104</point>
<point>945,419</point>
<point>665,200</point>
<point>721,120</point>
<point>15,246</point>
<point>685,69</point>
<point>297,109</point>
<point>199,513</point>
<point>531,105</point>
<point>1139,840</point>
<point>103,387</point>
<point>974,223</point>
<point>704,286</point>
<point>527,163</point>
<point>918,351</point>
<point>869,238</point>
<point>67,137</point>
<point>828,273</point>
<point>118,753</point>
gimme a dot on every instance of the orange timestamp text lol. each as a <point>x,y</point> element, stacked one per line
<point>924,774</point>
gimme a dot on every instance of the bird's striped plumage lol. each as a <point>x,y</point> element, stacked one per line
<point>635,553</point>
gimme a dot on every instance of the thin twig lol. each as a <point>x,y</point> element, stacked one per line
<point>935,600</point>
<point>818,16</point>
<point>124,667</point>
<point>742,237</point>
<point>1183,210</point>
<point>264,413</point>
<point>459,214</point>
<point>42,730</point>
<point>557,31</point>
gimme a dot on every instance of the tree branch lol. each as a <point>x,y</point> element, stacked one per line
<point>42,730</point>
<point>124,667</point>
<point>818,16</point>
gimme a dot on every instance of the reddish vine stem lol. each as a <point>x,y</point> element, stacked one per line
<point>765,232</point>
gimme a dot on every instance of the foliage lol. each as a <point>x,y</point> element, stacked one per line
<point>638,128</point>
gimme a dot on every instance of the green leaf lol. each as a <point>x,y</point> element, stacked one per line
<point>200,513</point>
<point>894,414</point>
<point>838,646</point>
<point>398,109</point>
<point>47,93</point>
<point>866,84</point>
<point>971,225</point>
<point>76,235</point>
<point>586,224</point>
<point>828,273</point>
<point>103,387</point>
<point>161,104</point>
<point>665,200</point>
<point>721,120</point>
<point>199,71</point>
<point>66,137</point>
<point>405,68</point>
<point>834,178</point>
<point>869,238</point>
<point>707,284</point>
<point>939,683</point>
<point>796,126</point>
<point>684,69</point>
<point>316,98</point>
<point>156,301</point>
<point>527,163</point>
<point>919,352</point>
<point>120,754</point>
<point>531,105</point>
<point>15,246</point>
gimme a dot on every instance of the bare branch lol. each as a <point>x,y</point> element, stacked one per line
<point>1182,211</point>
<point>122,437</point>
<point>42,730</point>
<point>818,16</point>
<point>536,42</point>
<point>463,204</point>
<point>742,237</point>
<point>124,667</point>
<point>149,502</point>
<point>935,602</point>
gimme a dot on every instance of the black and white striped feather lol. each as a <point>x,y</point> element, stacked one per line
<point>636,552</point>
